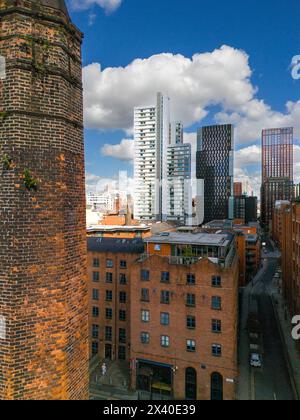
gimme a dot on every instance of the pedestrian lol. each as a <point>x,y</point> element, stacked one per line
<point>104,369</point>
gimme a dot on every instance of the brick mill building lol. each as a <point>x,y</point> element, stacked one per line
<point>43,290</point>
<point>184,316</point>
<point>109,272</point>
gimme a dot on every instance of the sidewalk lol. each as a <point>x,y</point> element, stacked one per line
<point>291,347</point>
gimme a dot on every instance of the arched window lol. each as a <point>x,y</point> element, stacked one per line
<point>2,67</point>
<point>216,387</point>
<point>191,384</point>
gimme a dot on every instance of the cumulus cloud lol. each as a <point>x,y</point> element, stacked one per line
<point>108,5</point>
<point>123,151</point>
<point>221,77</point>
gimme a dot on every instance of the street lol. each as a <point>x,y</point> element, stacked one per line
<point>272,382</point>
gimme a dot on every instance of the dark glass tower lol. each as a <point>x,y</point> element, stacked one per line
<point>277,170</point>
<point>215,145</point>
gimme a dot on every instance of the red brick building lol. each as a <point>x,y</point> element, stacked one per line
<point>43,288</point>
<point>109,273</point>
<point>184,315</point>
<point>237,189</point>
<point>287,229</point>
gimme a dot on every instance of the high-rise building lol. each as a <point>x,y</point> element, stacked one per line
<point>149,132</point>
<point>215,151</point>
<point>243,208</point>
<point>238,189</point>
<point>179,193</point>
<point>162,165</point>
<point>277,170</point>
<point>43,264</point>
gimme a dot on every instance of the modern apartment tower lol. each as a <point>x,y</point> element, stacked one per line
<point>179,204</point>
<point>162,165</point>
<point>277,170</point>
<point>151,138</point>
<point>43,265</point>
<point>215,151</point>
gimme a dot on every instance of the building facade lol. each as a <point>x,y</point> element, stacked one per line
<point>184,317</point>
<point>109,269</point>
<point>215,152</point>
<point>151,139</point>
<point>243,208</point>
<point>238,189</point>
<point>286,230</point>
<point>162,165</point>
<point>277,171</point>
<point>179,204</point>
<point>43,289</point>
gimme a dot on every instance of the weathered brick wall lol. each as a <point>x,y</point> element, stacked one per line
<point>43,288</point>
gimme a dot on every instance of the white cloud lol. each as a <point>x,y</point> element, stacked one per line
<point>221,77</point>
<point>108,5</point>
<point>123,151</point>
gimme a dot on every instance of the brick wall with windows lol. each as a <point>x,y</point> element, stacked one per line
<point>109,301</point>
<point>188,320</point>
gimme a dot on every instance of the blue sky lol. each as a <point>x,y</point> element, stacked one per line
<point>263,36</point>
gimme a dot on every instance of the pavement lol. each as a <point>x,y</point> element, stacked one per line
<point>273,381</point>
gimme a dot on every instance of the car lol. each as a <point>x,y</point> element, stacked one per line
<point>255,360</point>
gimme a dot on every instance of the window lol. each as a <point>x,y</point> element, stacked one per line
<point>122,315</point>
<point>145,296</point>
<point>95,294</point>
<point>123,264</point>
<point>95,331</point>
<point>191,300</point>
<point>123,297</point>
<point>191,322</point>
<point>108,333</point>
<point>145,275</point>
<point>95,311</point>
<point>216,350</point>
<point>165,277</point>
<point>109,277</point>
<point>216,281</point>
<point>216,303</point>
<point>95,348</point>
<point>165,341</point>
<point>96,276</point>
<point>123,279</point>
<point>191,346</point>
<point>108,313</point>
<point>191,279</point>
<point>165,297</point>
<point>122,335</point>
<point>96,262</point>
<point>164,318</point>
<point>109,263</point>
<point>216,326</point>
<point>122,353</point>
<point>109,296</point>
<point>145,338</point>
<point>145,316</point>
